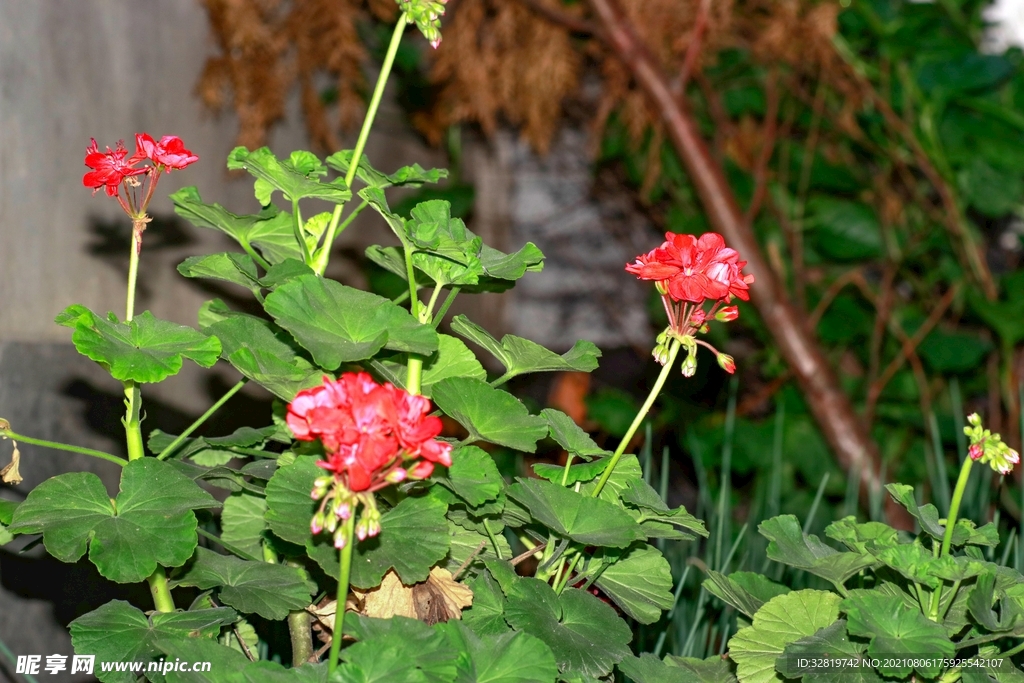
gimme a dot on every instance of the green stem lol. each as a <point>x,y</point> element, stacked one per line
<point>446,305</point>
<point>162,600</point>
<point>132,421</point>
<point>133,273</point>
<point>299,627</point>
<point>560,585</point>
<point>339,611</point>
<point>947,537</point>
<point>425,313</point>
<point>565,471</point>
<point>62,447</point>
<point>300,234</point>
<point>202,418</point>
<point>658,384</point>
<point>1014,650</point>
<point>364,134</point>
<point>501,380</point>
<point>323,254</point>
<point>494,540</point>
<point>415,366</point>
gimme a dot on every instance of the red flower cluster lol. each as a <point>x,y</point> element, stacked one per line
<point>689,271</point>
<point>374,434</point>
<point>694,269</point>
<point>114,167</point>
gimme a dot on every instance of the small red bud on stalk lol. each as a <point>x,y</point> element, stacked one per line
<point>727,363</point>
<point>727,314</point>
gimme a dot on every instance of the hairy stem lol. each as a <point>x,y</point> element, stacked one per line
<point>162,600</point>
<point>62,447</point>
<point>638,420</point>
<point>133,271</point>
<point>364,134</point>
<point>299,629</point>
<point>947,537</point>
<point>339,611</point>
<point>167,452</point>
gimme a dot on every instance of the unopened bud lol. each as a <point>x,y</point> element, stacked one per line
<point>661,354</point>
<point>396,475</point>
<point>689,365</point>
<point>697,318</point>
<point>727,314</point>
<point>341,538</point>
<point>331,523</point>
<point>317,525</point>
<point>662,287</point>
<point>976,451</point>
<point>726,362</point>
<point>320,487</point>
<point>342,510</point>
<point>362,529</point>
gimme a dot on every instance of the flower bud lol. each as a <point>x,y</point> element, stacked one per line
<point>320,487</point>
<point>330,523</point>
<point>697,318</point>
<point>727,314</point>
<point>342,509</point>
<point>976,451</point>
<point>372,528</point>
<point>690,365</point>
<point>317,525</point>
<point>726,362</point>
<point>362,529</point>
<point>396,475</point>
<point>662,287</point>
<point>341,538</point>
<point>661,354</point>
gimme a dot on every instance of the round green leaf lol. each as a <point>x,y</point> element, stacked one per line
<point>151,522</point>
<point>783,619</point>
<point>489,414</point>
<point>585,634</point>
<point>639,582</point>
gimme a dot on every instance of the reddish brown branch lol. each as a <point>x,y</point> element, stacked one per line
<point>767,147</point>
<point>909,347</point>
<point>840,425</point>
<point>561,17</point>
<point>700,27</point>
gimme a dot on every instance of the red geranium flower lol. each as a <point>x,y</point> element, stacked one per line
<point>694,269</point>
<point>373,434</point>
<point>170,152</point>
<point>110,168</point>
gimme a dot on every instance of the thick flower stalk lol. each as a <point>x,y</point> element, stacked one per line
<point>689,272</point>
<point>373,435</point>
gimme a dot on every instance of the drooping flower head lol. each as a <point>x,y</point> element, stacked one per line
<point>373,435</point>
<point>689,271</point>
<point>988,447</point>
<point>426,14</point>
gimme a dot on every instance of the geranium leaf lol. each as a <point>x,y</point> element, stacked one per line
<point>474,476</point>
<point>452,359</point>
<point>228,665</point>
<point>7,508</point>
<point>339,324</point>
<point>242,522</point>
<point>509,657</point>
<point>646,507</point>
<point>413,538</point>
<point>899,632</point>
<point>570,436</point>
<point>649,669</point>
<point>269,590</point>
<point>146,349</point>
<point>297,177</point>
<point>118,632</point>
<point>964,533</point>
<point>489,414</point>
<point>584,519</point>
<point>270,231</point>
<point>585,634</point>
<point>583,471</point>
<point>626,472</point>
<point>284,271</point>
<point>745,591</point>
<point>428,654</point>
<point>638,580</point>
<point>714,669</point>
<point>983,598</point>
<point>521,356</point>
<point>255,348</point>
<point>487,615</point>
<point>464,542</point>
<point>213,450</point>
<point>831,641</point>
<point>790,545</point>
<point>865,537</point>
<point>237,269</point>
<point>407,176</point>
<point>151,522</point>
<point>782,620</point>
<point>289,507</point>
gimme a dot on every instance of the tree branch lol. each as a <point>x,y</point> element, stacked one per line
<point>561,17</point>
<point>840,425</point>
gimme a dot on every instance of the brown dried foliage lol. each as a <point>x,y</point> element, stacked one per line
<point>267,47</point>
